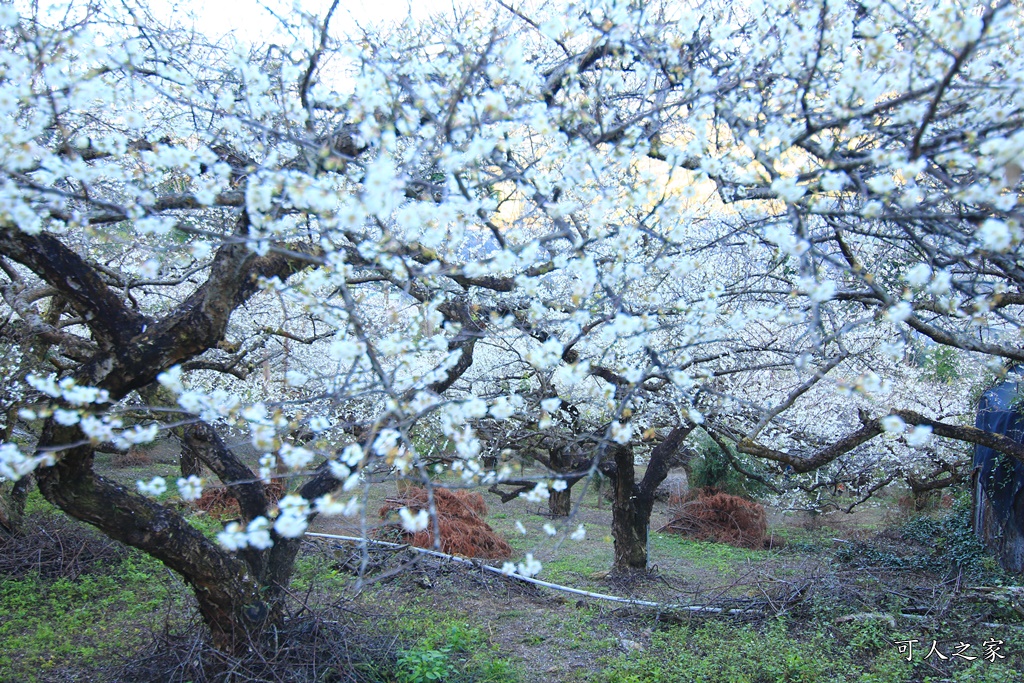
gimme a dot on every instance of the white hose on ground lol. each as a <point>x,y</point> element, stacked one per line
<point>547,584</point>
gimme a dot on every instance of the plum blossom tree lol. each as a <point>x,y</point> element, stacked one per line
<point>602,221</point>
<point>892,188</point>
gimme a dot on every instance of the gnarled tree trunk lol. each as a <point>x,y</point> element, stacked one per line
<point>633,502</point>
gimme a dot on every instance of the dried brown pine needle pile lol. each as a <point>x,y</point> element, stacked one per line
<point>218,501</point>
<point>710,515</point>
<point>133,457</point>
<point>459,520</point>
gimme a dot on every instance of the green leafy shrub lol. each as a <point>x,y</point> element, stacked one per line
<point>423,666</point>
<point>927,543</point>
<point>951,539</point>
<point>713,469</point>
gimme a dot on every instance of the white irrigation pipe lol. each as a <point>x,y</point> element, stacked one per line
<point>538,582</point>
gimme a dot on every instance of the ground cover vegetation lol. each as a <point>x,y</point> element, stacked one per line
<point>775,244</point>
<point>815,608</point>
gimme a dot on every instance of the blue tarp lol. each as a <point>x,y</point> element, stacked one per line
<point>1001,476</point>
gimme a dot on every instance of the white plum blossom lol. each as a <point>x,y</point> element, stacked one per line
<point>547,356</point>
<point>154,487</point>
<point>319,423</point>
<point>191,488</point>
<point>833,181</point>
<point>537,494</point>
<point>529,567</point>
<point>263,437</point>
<point>882,184</point>
<point>294,378</point>
<point>290,525</point>
<point>150,269</point>
<point>232,537</point>
<point>621,432</point>
<point>258,533</point>
<point>920,436</point>
<point>413,523</point>
<point>788,190</point>
<point>785,239</point>
<point>819,292</point>
<point>386,442</point>
<point>940,285</point>
<point>47,385</point>
<point>138,434</point>
<point>503,408</point>
<point>474,408</point>
<point>352,454</point>
<point>14,464</point>
<point>451,228</point>
<point>872,209</point>
<point>919,275</point>
<point>292,520</point>
<point>66,417</point>
<point>171,379</point>
<point>892,350</point>
<point>551,405</point>
<point>899,312</point>
<point>893,425</point>
<point>330,506</point>
<point>295,457</point>
<point>994,235</point>
<point>339,470</point>
<point>550,529</point>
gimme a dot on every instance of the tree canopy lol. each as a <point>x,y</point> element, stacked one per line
<point>577,230</point>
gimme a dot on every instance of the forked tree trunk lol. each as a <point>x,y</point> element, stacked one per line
<point>239,596</point>
<point>227,591</point>
<point>632,503</point>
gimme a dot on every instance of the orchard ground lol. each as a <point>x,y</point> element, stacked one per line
<point>828,602</point>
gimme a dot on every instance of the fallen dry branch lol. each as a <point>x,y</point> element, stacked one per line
<point>459,521</point>
<point>321,644</point>
<point>56,547</point>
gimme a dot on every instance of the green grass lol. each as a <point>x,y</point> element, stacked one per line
<point>573,568</point>
<point>453,629</point>
<point>730,653</point>
<point>448,643</point>
<point>47,625</point>
<point>716,556</point>
<point>782,651</point>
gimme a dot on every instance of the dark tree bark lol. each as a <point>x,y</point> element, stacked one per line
<point>633,501</point>
<point>561,459</point>
<point>228,593</point>
<point>12,504</point>
<point>235,593</point>
<point>560,503</point>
